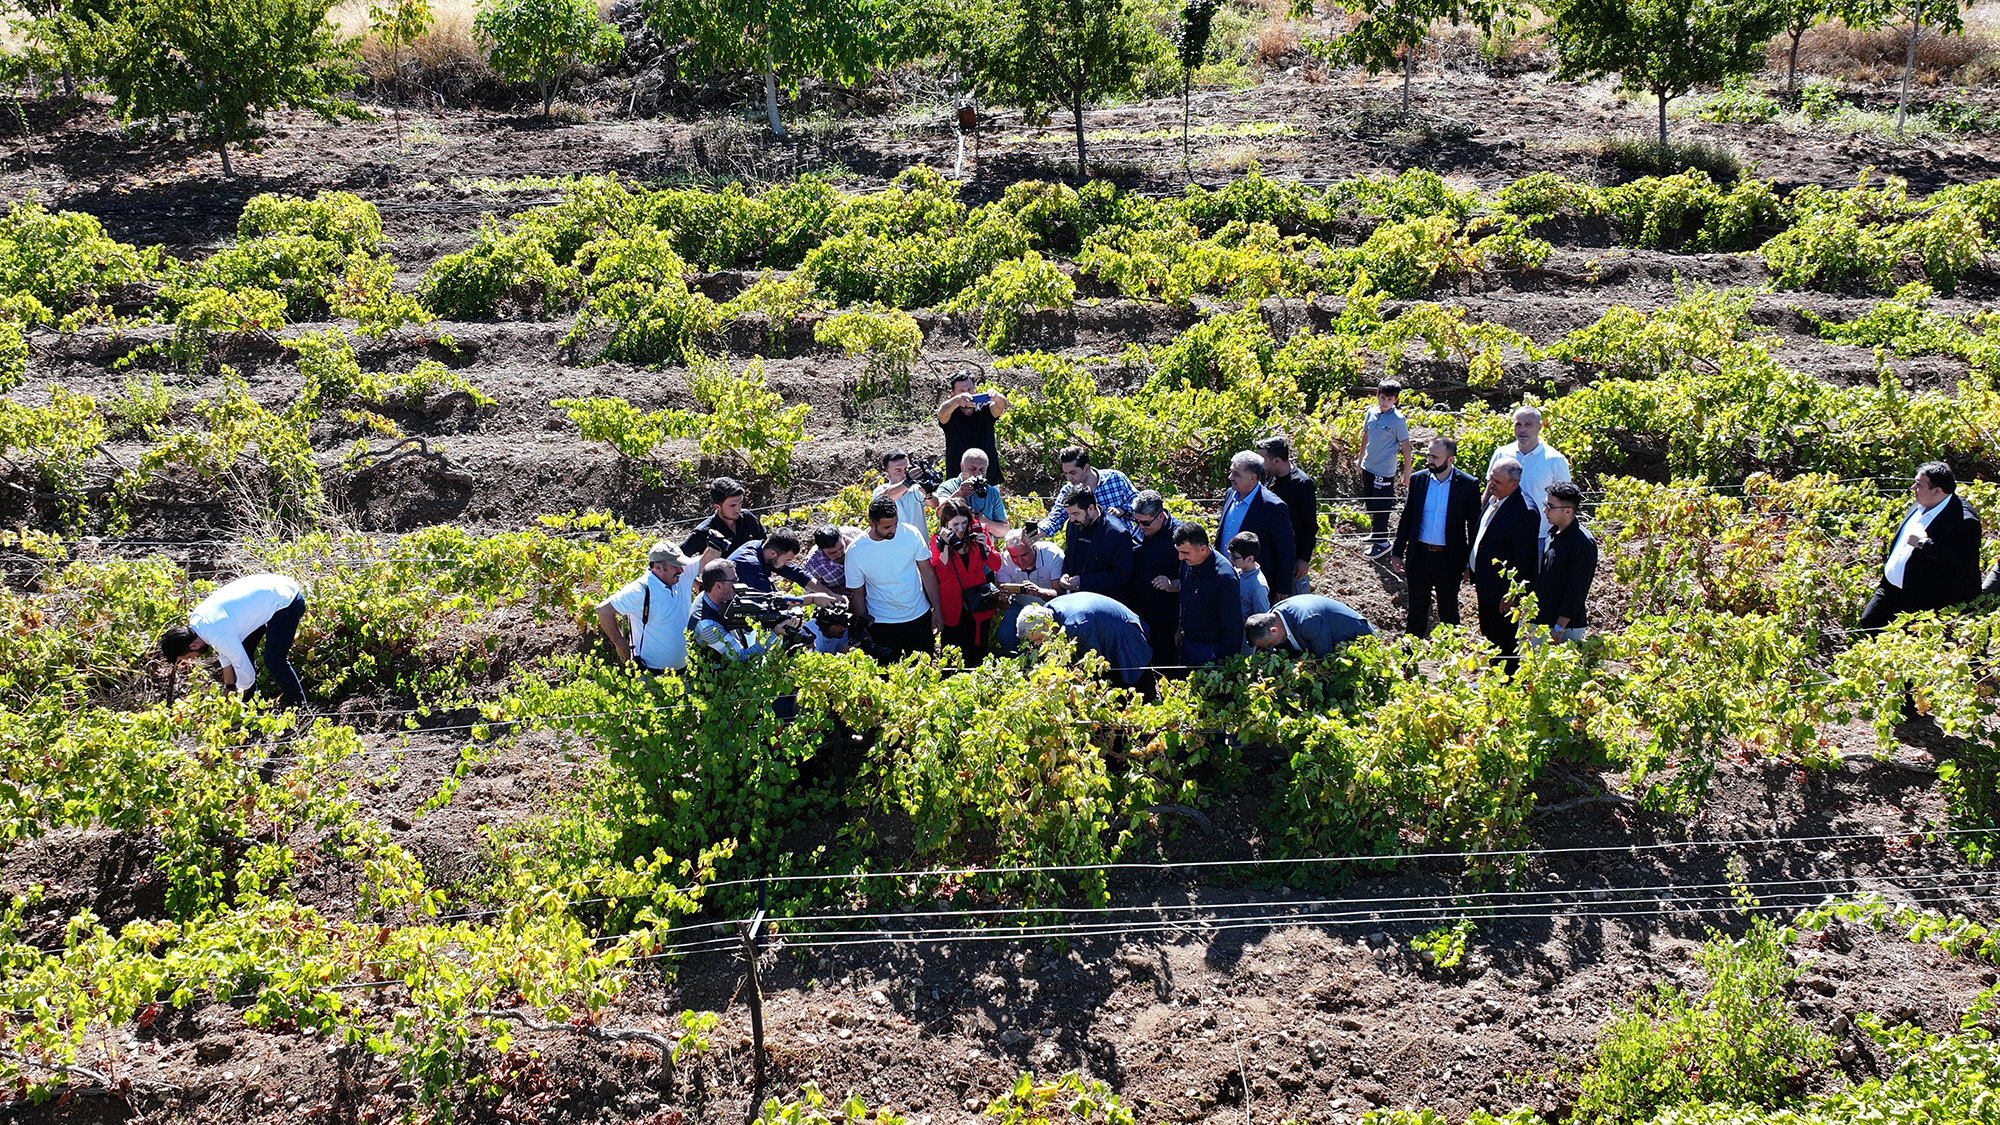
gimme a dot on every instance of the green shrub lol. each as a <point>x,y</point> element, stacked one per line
<point>1948,241</point>
<point>528,270</point>
<point>1819,101</point>
<point>13,355</point>
<point>888,338</point>
<point>1831,251</point>
<point>917,270</point>
<point>1010,289</point>
<point>637,288</point>
<point>60,264</point>
<point>1737,1044</point>
<point>1737,103</point>
<point>1703,326</point>
<point>342,218</point>
<point>1404,259</point>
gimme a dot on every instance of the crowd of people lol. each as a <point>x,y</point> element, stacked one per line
<point>1110,566</point>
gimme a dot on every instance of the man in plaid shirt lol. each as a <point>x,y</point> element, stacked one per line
<point>1112,488</point>
<point>827,566</point>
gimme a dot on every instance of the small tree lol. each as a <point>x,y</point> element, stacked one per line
<point>1390,32</point>
<point>1039,53</point>
<point>1666,47</point>
<point>783,39</point>
<point>1197,23</point>
<point>539,41</point>
<point>398,23</point>
<point>1914,17</point>
<point>227,63</point>
<point>1801,16</point>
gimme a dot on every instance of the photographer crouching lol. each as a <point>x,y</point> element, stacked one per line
<point>719,626</point>
<point>962,554</point>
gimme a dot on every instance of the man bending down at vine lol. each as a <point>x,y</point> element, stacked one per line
<point>1094,622</point>
<point>255,611</point>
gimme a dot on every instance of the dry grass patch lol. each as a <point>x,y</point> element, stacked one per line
<point>1836,50</point>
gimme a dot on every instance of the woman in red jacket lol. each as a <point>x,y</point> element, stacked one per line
<point>962,554</point>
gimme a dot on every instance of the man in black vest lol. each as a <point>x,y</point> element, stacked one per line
<point>1434,537</point>
<point>1933,561</point>
<point>1506,548</point>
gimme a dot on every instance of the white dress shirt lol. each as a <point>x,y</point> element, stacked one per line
<point>1540,468</point>
<point>1899,555</point>
<point>236,610</point>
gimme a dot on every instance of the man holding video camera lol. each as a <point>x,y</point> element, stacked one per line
<point>979,492</point>
<point>715,629</point>
<point>728,526</point>
<point>913,496</point>
<point>967,419</point>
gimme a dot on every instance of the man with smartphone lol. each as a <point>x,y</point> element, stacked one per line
<point>967,421</point>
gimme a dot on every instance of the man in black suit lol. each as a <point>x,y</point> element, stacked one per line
<point>1249,506</point>
<point>1434,537</point>
<point>1933,561</point>
<point>1506,548</point>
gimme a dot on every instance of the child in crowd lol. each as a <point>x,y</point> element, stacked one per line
<point>1250,584</point>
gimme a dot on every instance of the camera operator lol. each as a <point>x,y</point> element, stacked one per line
<point>655,608</point>
<point>967,421</point>
<point>912,503</point>
<point>1096,623</point>
<point>889,575</point>
<point>1028,571</point>
<point>757,560</point>
<point>1211,602</point>
<point>728,526</point>
<point>966,564</point>
<point>979,492</point>
<point>1097,556</point>
<point>710,625</point>
<point>1112,488</point>
<point>1156,576</point>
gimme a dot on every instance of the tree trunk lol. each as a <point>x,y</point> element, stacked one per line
<point>1792,70</point>
<point>771,97</point>
<point>222,146</point>
<point>1662,96</point>
<point>1909,64</point>
<point>1076,107</point>
<point>548,95</point>
<point>1187,92</point>
<point>1409,68</point>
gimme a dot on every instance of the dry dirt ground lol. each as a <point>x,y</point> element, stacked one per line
<point>1199,1006</point>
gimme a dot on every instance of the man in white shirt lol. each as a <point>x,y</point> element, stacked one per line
<point>890,582</point>
<point>912,505</point>
<point>257,610</point>
<point>1541,465</point>
<point>1933,562</point>
<point>655,609</point>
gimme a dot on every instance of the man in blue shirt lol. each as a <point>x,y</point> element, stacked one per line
<point>1112,488</point>
<point>1211,605</point>
<point>757,560</point>
<point>1097,555</point>
<point>1434,537</point>
<point>990,508</point>
<point>1096,623</point>
<point>1249,506</point>
<point>1310,623</point>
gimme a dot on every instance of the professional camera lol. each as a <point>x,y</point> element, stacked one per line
<point>756,607</point>
<point>978,486</point>
<point>924,474</point>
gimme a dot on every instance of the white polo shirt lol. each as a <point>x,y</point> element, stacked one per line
<point>237,609</point>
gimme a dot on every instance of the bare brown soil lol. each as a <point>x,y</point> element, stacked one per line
<point>1222,1017</point>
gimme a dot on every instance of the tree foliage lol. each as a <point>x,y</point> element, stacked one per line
<point>1042,53</point>
<point>1665,47</point>
<point>539,41</point>
<point>784,39</point>
<point>227,63</point>
<point>1389,32</point>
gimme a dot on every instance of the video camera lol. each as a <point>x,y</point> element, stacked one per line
<point>755,607</point>
<point>924,474</point>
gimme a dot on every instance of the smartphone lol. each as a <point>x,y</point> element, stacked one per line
<point>982,399</point>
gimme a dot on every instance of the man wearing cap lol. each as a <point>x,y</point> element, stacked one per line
<point>967,417</point>
<point>655,608</point>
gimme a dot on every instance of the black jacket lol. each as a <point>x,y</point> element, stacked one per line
<point>1512,539</point>
<point>748,527</point>
<point>1211,607</point>
<point>1944,571</point>
<point>1100,556</point>
<point>1301,497</point>
<point>1153,557</point>
<point>1271,522</point>
<point>1563,583</point>
<point>1461,517</point>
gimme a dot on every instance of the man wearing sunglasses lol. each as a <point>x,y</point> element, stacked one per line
<point>1156,571</point>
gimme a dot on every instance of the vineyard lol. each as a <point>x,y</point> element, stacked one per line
<point>1731,860</point>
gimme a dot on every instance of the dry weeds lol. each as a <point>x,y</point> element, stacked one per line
<point>1835,50</point>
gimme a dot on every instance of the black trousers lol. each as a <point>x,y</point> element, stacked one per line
<point>971,637</point>
<point>1160,633</point>
<point>1496,624</point>
<point>1378,495</point>
<point>1883,605</point>
<point>1431,578</point>
<point>904,637</point>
